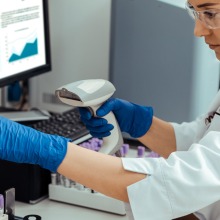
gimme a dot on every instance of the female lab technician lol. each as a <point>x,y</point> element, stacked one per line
<point>186,179</point>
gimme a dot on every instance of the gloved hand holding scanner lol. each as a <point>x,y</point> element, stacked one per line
<point>132,119</point>
<point>91,94</point>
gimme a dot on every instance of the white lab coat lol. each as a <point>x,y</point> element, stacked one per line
<point>188,181</point>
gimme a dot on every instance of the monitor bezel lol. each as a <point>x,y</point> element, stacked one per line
<point>47,67</point>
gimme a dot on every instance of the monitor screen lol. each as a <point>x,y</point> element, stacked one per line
<point>24,39</point>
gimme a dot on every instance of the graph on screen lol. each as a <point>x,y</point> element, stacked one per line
<point>21,45</point>
<point>22,38</point>
<point>30,49</point>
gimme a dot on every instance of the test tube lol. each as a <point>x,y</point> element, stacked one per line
<point>67,182</point>
<point>79,186</point>
<point>126,148</point>
<point>140,151</point>
<point>61,180</point>
<point>72,184</point>
<point>122,152</point>
<point>1,205</point>
<point>153,154</point>
<point>53,178</point>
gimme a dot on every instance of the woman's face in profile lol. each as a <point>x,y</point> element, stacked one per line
<point>207,22</point>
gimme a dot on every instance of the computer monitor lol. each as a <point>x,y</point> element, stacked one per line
<point>24,40</point>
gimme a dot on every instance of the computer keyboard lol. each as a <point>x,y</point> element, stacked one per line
<point>67,124</point>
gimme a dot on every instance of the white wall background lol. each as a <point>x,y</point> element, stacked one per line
<point>178,3</point>
<point>80,40</point>
<point>206,72</point>
<point>157,61</point>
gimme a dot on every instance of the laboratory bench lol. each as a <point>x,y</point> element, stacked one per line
<point>52,210</point>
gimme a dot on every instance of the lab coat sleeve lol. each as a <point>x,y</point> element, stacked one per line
<point>188,133</point>
<point>184,183</point>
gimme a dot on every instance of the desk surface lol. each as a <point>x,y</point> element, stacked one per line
<point>51,210</point>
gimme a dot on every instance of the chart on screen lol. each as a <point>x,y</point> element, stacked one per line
<point>22,36</point>
<point>21,46</point>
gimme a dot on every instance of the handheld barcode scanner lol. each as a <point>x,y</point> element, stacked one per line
<point>92,94</point>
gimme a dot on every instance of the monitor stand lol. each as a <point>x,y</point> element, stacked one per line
<point>21,116</point>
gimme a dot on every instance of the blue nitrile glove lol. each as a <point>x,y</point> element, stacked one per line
<point>132,119</point>
<point>22,144</point>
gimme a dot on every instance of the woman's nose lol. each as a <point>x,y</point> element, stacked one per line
<point>200,29</point>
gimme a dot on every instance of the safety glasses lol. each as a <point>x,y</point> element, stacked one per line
<point>210,18</point>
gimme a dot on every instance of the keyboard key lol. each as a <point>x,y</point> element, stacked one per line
<point>67,124</point>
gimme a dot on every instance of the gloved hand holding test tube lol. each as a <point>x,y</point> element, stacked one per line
<point>92,94</point>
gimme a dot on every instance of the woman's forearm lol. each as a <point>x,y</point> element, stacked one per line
<point>160,138</point>
<point>104,173</point>
<point>100,172</point>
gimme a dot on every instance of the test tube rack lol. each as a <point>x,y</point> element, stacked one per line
<point>87,199</point>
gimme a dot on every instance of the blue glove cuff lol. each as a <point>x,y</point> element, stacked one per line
<point>53,151</point>
<point>143,118</point>
<point>23,144</point>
